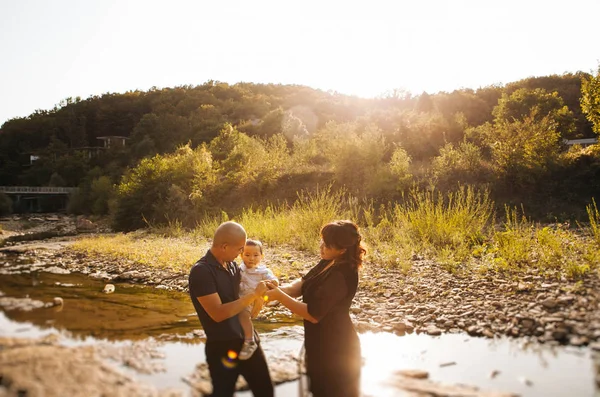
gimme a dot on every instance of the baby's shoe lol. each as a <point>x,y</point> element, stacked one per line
<point>248,349</point>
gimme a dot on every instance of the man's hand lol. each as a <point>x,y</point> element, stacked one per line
<point>260,289</point>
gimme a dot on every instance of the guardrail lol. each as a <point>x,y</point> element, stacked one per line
<point>37,190</point>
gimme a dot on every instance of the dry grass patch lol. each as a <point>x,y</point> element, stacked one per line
<point>175,253</point>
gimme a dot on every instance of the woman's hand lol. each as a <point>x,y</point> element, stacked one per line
<point>273,294</point>
<point>272,284</point>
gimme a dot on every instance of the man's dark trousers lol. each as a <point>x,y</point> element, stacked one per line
<point>224,371</point>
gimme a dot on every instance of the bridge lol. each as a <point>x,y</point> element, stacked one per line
<point>37,190</point>
<point>38,198</point>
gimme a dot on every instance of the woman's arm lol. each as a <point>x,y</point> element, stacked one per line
<point>295,306</point>
<point>294,289</point>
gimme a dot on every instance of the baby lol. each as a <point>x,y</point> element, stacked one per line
<point>253,272</point>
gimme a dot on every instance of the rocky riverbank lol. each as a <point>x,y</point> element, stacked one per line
<point>52,366</point>
<point>427,299</point>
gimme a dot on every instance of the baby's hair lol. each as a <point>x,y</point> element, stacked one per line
<point>255,243</point>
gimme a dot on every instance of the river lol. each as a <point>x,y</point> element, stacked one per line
<point>165,320</point>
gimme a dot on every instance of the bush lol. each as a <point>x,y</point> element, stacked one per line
<point>460,165</point>
<point>6,205</point>
<point>242,159</point>
<point>147,190</point>
<point>101,192</point>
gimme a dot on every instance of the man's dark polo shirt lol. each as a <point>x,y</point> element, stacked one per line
<point>207,277</point>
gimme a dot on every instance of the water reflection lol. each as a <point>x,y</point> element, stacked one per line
<point>552,370</point>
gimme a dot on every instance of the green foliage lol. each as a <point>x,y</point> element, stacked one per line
<point>522,150</point>
<point>102,191</point>
<point>242,159</point>
<point>590,99</point>
<point>77,202</point>
<point>6,205</point>
<point>430,222</point>
<point>523,245</point>
<point>270,140</point>
<point>400,168</point>
<point>164,186</point>
<point>57,180</point>
<point>160,133</point>
<point>423,134</point>
<point>464,164</point>
<point>537,104</point>
<point>358,157</point>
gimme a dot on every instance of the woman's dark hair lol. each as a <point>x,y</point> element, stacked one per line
<point>345,235</point>
<point>255,243</point>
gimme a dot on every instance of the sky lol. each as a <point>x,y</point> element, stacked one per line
<point>51,50</point>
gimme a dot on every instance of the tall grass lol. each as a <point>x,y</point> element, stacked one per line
<point>594,217</point>
<point>432,223</point>
<point>457,230</point>
<point>297,225</point>
<point>524,245</point>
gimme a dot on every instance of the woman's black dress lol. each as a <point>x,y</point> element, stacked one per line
<point>332,346</point>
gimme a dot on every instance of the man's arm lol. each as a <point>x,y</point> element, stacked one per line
<point>219,311</point>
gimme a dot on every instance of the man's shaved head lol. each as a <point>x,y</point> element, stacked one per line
<point>229,233</point>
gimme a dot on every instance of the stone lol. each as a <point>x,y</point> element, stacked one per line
<point>58,301</point>
<point>109,289</point>
<point>488,333</point>
<point>527,323</point>
<point>550,303</point>
<point>448,364</point>
<point>433,330</point>
<point>525,381</point>
<point>84,225</point>
<point>595,346</point>
<point>399,326</point>
<point>473,330</point>
<point>413,373</point>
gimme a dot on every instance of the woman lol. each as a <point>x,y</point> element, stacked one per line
<point>332,347</point>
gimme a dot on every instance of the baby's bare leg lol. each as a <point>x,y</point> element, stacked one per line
<point>258,305</point>
<point>246,323</point>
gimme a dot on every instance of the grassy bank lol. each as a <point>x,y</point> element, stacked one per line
<point>459,230</point>
<point>147,248</point>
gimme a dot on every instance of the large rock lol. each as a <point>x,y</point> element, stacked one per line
<point>42,368</point>
<point>85,225</point>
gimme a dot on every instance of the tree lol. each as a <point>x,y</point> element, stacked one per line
<point>523,150</point>
<point>590,99</point>
<point>524,103</point>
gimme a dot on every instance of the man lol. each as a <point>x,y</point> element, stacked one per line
<point>214,284</point>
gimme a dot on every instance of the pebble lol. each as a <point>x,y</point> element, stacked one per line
<point>413,373</point>
<point>448,364</point>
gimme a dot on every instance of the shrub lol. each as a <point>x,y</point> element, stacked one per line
<point>462,164</point>
<point>146,190</point>
<point>101,192</point>
<point>6,205</point>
